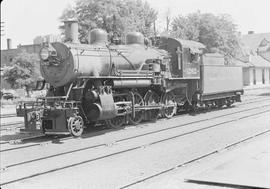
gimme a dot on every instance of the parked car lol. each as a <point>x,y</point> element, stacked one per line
<point>8,96</point>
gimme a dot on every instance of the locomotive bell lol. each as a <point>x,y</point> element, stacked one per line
<point>98,36</point>
<point>134,38</point>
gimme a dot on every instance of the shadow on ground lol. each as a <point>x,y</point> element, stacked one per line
<point>265,94</point>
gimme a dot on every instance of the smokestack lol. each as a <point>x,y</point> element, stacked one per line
<point>250,32</point>
<point>9,43</point>
<point>71,31</point>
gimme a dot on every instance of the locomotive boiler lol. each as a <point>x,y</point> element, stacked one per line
<point>101,83</point>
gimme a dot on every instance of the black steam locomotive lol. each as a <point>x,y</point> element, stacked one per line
<point>125,84</point>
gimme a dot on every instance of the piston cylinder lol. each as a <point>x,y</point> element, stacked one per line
<point>96,112</point>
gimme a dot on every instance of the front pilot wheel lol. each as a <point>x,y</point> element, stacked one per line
<point>75,126</point>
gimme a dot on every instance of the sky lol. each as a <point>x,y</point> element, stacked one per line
<point>26,19</point>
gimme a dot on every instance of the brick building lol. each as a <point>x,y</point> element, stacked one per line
<point>48,38</point>
<point>8,55</point>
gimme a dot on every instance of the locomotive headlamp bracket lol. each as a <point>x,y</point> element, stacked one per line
<point>46,52</point>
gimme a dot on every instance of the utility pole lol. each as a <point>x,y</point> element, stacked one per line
<point>168,18</point>
<point>2,29</point>
<point>155,30</point>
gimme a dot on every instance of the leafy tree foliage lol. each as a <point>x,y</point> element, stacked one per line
<point>24,72</point>
<point>114,16</point>
<point>216,32</point>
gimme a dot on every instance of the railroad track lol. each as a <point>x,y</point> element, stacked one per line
<point>63,138</point>
<point>12,126</point>
<point>193,160</point>
<point>253,98</point>
<point>24,138</point>
<point>8,115</point>
<point>132,148</point>
<point>249,101</point>
<point>260,88</point>
<point>8,126</point>
<point>18,125</point>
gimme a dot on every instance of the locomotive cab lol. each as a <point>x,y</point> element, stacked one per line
<point>185,56</point>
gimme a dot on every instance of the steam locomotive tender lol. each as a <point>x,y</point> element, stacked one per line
<point>125,84</point>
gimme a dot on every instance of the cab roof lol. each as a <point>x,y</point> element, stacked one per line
<point>189,43</point>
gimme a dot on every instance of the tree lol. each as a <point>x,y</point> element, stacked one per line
<point>24,72</point>
<point>114,16</point>
<point>216,32</point>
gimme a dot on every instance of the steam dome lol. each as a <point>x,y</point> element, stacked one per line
<point>134,38</point>
<point>98,36</point>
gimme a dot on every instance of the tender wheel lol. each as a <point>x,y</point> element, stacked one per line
<point>219,103</point>
<point>169,105</point>
<point>116,122</point>
<point>194,106</point>
<point>229,102</point>
<point>151,99</point>
<point>138,101</point>
<point>75,126</point>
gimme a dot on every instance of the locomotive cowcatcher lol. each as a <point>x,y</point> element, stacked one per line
<point>96,83</point>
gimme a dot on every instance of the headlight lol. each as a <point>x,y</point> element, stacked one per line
<point>44,53</point>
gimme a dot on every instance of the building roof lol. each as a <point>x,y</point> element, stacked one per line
<point>241,63</point>
<point>264,46</point>
<point>259,61</point>
<point>265,55</point>
<point>253,41</point>
<point>254,61</point>
<point>256,49</point>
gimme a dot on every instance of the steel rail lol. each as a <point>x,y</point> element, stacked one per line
<point>62,138</point>
<point>195,159</point>
<point>8,115</point>
<point>11,126</point>
<point>12,123</point>
<point>19,140</point>
<point>242,103</point>
<point>124,151</point>
<point>136,136</point>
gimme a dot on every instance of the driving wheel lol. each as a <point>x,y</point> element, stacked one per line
<point>138,101</point>
<point>151,99</point>
<point>169,105</point>
<point>116,122</point>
